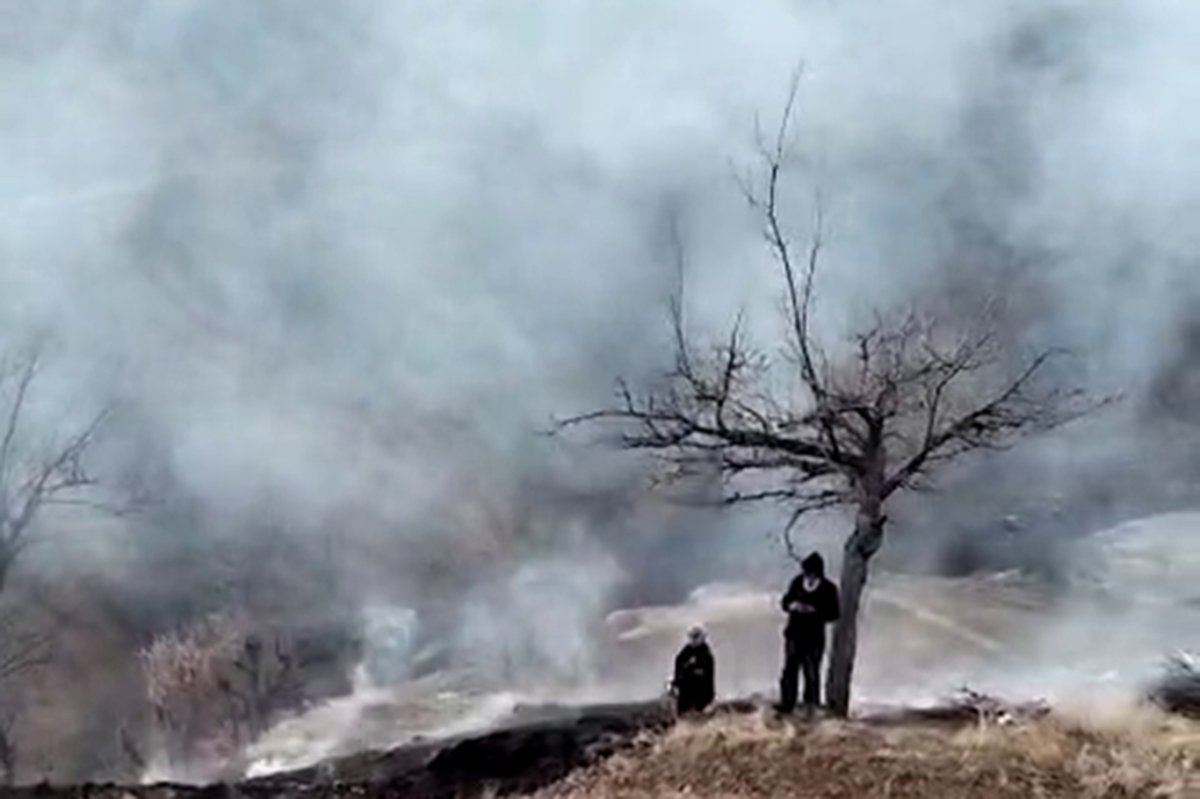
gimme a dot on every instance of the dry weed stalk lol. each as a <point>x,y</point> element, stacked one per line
<point>184,673</point>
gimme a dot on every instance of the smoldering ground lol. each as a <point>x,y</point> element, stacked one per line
<point>336,266</point>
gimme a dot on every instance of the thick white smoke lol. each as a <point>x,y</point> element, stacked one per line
<point>339,263</point>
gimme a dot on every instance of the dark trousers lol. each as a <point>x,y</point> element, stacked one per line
<point>801,656</point>
<point>693,696</point>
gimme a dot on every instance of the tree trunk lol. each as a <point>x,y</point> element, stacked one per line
<point>8,759</point>
<point>862,544</point>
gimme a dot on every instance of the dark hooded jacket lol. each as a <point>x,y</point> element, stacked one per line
<point>695,676</point>
<point>824,601</point>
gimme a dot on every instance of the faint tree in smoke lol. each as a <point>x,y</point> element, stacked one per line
<point>269,680</point>
<point>184,673</point>
<point>33,476</point>
<point>220,683</point>
<point>23,651</point>
<point>8,749</point>
<point>813,431</point>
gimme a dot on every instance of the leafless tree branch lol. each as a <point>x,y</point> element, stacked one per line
<point>915,390</point>
<point>21,649</point>
<point>31,479</point>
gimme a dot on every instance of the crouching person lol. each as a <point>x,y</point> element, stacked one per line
<point>694,683</point>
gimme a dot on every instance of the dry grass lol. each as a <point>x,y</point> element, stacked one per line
<point>1133,754</point>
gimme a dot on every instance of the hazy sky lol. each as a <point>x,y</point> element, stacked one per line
<point>348,257</point>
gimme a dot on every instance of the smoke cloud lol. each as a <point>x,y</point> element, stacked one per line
<point>338,264</point>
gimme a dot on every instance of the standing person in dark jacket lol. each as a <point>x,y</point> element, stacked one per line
<point>694,683</point>
<point>811,603</point>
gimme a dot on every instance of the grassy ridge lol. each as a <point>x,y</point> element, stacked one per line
<point>1134,754</point>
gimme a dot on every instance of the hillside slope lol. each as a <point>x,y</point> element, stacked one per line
<point>635,751</point>
<point>753,756</point>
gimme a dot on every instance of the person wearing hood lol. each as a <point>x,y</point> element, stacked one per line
<point>811,603</point>
<point>694,683</point>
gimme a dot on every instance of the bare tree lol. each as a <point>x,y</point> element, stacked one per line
<point>8,749</point>
<point>184,673</point>
<point>220,683</point>
<point>24,647</point>
<point>33,475</point>
<point>269,680</point>
<point>814,430</point>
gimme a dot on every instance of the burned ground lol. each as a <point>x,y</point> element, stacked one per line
<point>638,750</point>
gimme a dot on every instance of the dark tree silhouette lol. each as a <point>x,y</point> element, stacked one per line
<point>32,477</point>
<point>913,391</point>
<point>34,474</point>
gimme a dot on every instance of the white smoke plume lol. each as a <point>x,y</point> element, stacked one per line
<point>340,263</point>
